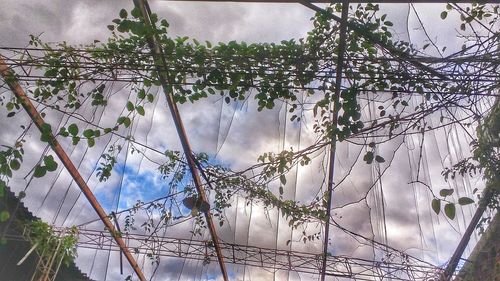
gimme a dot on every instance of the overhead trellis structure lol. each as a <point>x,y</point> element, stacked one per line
<point>358,85</point>
<point>396,265</point>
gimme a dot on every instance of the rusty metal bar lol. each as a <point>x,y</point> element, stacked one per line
<point>333,145</point>
<point>18,91</point>
<point>159,57</point>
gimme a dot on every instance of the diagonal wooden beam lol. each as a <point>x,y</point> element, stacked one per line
<point>161,65</point>
<point>8,76</point>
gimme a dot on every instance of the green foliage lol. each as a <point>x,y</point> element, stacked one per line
<point>4,216</point>
<point>449,207</point>
<point>109,161</point>
<point>486,158</point>
<point>49,165</point>
<point>436,205</point>
<point>240,68</point>
<point>465,201</point>
<point>11,158</point>
<point>39,171</point>
<point>449,210</point>
<point>370,156</point>
<point>279,72</point>
<point>73,129</point>
<point>49,240</point>
<point>446,192</point>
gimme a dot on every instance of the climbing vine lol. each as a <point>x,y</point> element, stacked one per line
<point>403,93</point>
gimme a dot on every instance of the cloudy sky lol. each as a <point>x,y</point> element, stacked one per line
<point>236,135</point>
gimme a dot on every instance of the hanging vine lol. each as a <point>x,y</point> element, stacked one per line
<point>376,72</point>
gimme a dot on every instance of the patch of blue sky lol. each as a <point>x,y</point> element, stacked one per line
<point>142,185</point>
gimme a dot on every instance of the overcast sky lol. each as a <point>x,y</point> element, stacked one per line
<point>237,135</point>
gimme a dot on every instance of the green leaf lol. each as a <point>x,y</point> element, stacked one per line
<point>90,142</point>
<point>73,129</point>
<point>126,122</point>
<point>465,201</point>
<point>446,192</point>
<point>379,159</point>
<point>3,187</point>
<point>444,14</point>
<point>140,110</point>
<point>130,106</point>
<point>436,205</point>
<point>50,164</point>
<point>120,120</point>
<point>52,72</point>
<point>88,133</point>
<point>283,179</point>
<point>449,210</point>
<point>39,171</point>
<point>123,13</point>
<point>4,216</point>
<point>5,170</point>
<point>63,132</point>
<point>141,94</point>
<point>135,13</point>
<point>151,97</point>
<point>15,165</point>
<point>45,137</point>
<point>76,140</point>
<point>46,128</point>
<point>368,158</point>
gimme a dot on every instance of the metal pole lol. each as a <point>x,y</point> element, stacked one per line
<point>333,145</point>
<point>455,258</point>
<point>113,214</point>
<point>18,91</point>
<point>163,77</point>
